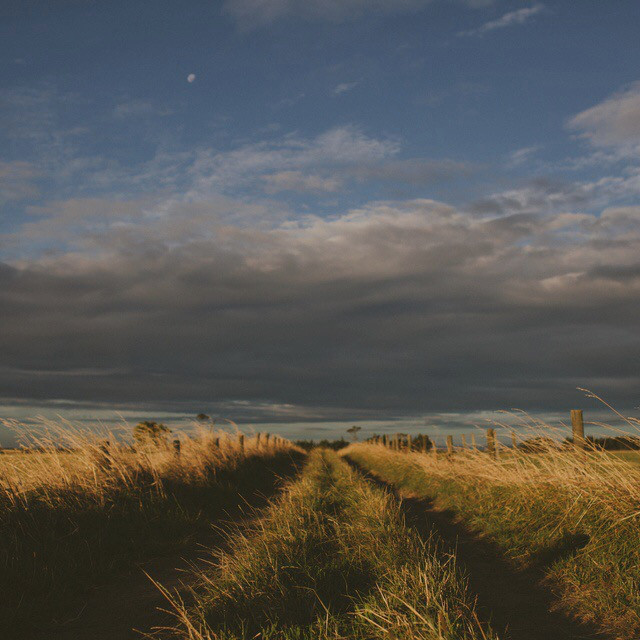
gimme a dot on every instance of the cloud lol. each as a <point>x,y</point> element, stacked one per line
<point>253,13</point>
<point>257,13</point>
<point>67,156</point>
<point>178,278</point>
<point>17,181</point>
<point>511,19</point>
<point>297,181</point>
<point>548,195</point>
<point>343,87</point>
<point>139,108</point>
<point>523,155</point>
<point>414,171</point>
<point>391,308</point>
<point>615,122</point>
<point>335,148</point>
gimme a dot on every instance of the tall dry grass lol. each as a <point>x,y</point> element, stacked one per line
<point>573,514</point>
<point>72,513</point>
<point>56,457</point>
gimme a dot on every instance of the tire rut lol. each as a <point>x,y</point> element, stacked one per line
<point>514,601</point>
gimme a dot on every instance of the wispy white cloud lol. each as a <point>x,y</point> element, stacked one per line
<point>343,87</point>
<point>511,19</point>
<point>139,108</point>
<point>338,147</point>
<point>520,156</point>
<point>17,181</point>
<point>298,181</point>
<point>613,123</point>
<point>251,14</point>
<point>255,13</point>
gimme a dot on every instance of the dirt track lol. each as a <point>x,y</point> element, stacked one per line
<point>515,602</point>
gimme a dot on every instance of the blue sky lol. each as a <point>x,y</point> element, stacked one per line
<point>258,204</point>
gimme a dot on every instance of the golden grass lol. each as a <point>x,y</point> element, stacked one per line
<point>61,456</point>
<point>73,512</point>
<point>575,514</point>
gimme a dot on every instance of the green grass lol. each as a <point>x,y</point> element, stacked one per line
<point>66,525</point>
<point>331,558</point>
<point>576,517</point>
<point>629,456</point>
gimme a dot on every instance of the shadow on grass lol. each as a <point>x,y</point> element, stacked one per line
<point>513,601</point>
<point>51,574</point>
<point>567,546</point>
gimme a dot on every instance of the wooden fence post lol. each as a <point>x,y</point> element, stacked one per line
<point>464,441</point>
<point>216,443</point>
<point>409,444</point>
<point>577,422</point>
<point>434,449</point>
<point>266,440</point>
<point>241,442</point>
<point>176,447</point>
<point>258,438</point>
<point>424,444</point>
<point>474,446</point>
<point>491,442</point>
<point>449,446</point>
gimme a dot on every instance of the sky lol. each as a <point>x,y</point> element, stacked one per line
<point>315,213</point>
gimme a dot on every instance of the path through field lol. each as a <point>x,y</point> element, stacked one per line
<point>337,515</point>
<point>516,604</point>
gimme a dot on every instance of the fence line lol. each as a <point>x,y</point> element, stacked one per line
<point>400,442</point>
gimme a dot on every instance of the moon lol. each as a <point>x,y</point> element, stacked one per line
<point>191,77</point>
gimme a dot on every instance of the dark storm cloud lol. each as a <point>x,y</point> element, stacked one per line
<point>392,309</point>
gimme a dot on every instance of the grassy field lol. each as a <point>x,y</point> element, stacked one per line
<point>333,554</point>
<point>71,518</point>
<point>332,558</point>
<point>574,517</point>
<point>629,456</point>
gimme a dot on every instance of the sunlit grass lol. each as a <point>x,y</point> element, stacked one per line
<point>574,514</point>
<point>73,512</point>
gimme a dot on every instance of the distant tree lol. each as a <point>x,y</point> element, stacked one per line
<point>324,444</point>
<point>203,417</point>
<point>150,433</point>
<point>353,432</point>
<point>421,442</point>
